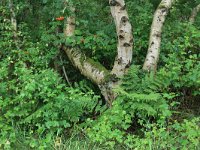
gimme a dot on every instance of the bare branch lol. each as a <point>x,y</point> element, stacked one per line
<point>64,71</point>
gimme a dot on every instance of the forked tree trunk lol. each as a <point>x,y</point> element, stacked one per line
<point>95,71</point>
<point>194,13</point>
<point>152,57</point>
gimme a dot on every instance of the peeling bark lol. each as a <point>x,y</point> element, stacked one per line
<point>194,13</point>
<point>152,57</point>
<point>125,37</point>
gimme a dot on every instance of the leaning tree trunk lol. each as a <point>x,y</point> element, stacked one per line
<point>152,57</point>
<point>89,68</point>
<point>194,13</point>
<point>94,71</point>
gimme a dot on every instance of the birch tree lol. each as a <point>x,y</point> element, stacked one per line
<point>105,79</point>
<point>152,56</point>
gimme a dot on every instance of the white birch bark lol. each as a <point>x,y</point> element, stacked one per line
<point>194,13</point>
<point>125,37</point>
<point>152,56</point>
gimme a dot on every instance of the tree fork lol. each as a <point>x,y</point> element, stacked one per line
<point>105,79</point>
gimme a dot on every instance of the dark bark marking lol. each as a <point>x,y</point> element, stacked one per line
<point>124,19</point>
<point>131,40</point>
<point>114,3</point>
<point>123,7</point>
<point>121,37</point>
<point>126,45</point>
<point>119,60</point>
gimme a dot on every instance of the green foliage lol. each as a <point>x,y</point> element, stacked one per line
<point>94,44</point>
<point>180,56</point>
<point>38,110</point>
<point>33,96</point>
<point>175,136</point>
<point>139,116</point>
<point>141,20</point>
<point>138,104</point>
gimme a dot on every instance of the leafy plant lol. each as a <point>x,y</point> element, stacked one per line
<point>138,104</point>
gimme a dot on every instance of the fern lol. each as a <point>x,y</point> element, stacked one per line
<point>139,102</point>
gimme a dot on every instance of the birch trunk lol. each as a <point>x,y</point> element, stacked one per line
<point>194,13</point>
<point>13,16</point>
<point>152,57</point>
<point>70,24</point>
<point>125,37</point>
<point>13,22</point>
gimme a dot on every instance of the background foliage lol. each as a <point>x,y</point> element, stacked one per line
<point>39,109</point>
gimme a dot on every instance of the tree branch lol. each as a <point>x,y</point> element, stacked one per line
<point>89,68</point>
<point>64,71</point>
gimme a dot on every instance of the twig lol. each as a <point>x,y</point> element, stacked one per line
<point>64,71</point>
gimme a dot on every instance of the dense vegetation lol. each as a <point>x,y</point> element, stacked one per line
<point>47,103</point>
